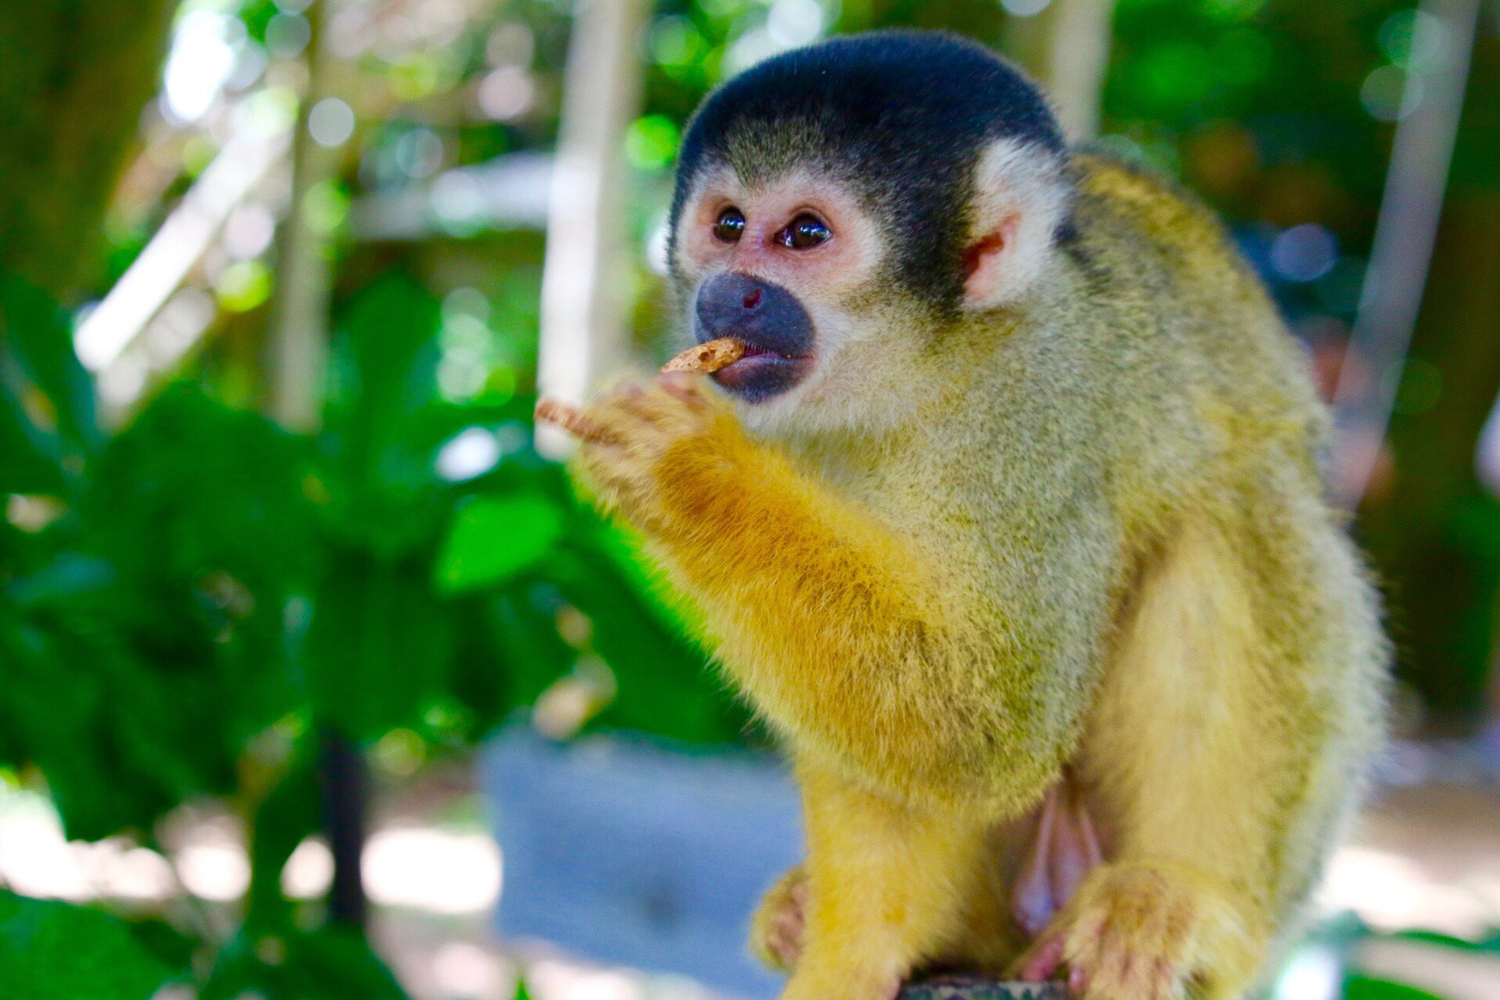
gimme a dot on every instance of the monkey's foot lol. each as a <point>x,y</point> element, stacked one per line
<point>776,932</point>
<point>1133,932</point>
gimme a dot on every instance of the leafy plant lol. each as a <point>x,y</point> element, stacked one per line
<point>213,592</point>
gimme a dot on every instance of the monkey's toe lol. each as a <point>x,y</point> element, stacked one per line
<point>1133,934</point>
<point>779,928</point>
<point>785,941</point>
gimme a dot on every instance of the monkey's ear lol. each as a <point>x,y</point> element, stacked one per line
<point>1021,197</point>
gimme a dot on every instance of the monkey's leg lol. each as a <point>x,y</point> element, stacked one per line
<point>1214,748</point>
<point>888,889</point>
<point>988,939</point>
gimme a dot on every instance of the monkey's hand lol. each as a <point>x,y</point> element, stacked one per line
<point>648,438</point>
<point>780,924</point>
<point>1138,931</point>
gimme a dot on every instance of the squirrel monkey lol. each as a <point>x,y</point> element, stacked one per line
<point>1009,521</point>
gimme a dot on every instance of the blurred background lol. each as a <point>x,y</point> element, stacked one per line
<point>318,681</point>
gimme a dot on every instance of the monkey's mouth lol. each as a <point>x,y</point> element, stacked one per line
<point>763,373</point>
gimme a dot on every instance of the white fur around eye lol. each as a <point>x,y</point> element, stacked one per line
<point>1020,199</point>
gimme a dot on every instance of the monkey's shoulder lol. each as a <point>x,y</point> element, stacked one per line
<point>1121,207</point>
<point>1163,262</point>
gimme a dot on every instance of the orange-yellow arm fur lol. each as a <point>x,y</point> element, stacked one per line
<point>837,625</point>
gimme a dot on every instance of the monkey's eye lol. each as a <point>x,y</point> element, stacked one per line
<point>730,225</point>
<point>804,232</point>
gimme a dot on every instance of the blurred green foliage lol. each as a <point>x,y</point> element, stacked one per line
<point>53,951</point>
<point>1366,988</point>
<point>333,961</point>
<point>213,590</point>
<point>75,77</point>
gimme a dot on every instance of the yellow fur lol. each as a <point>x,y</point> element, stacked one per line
<point>1095,535</point>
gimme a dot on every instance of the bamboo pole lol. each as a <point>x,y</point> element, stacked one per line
<point>583,326</point>
<point>299,315</point>
<point>1401,254</point>
<point>1065,45</point>
<point>299,363</point>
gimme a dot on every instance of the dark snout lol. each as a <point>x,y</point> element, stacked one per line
<point>768,320</point>
<point>762,314</point>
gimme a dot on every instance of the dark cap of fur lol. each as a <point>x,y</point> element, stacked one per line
<point>901,116</point>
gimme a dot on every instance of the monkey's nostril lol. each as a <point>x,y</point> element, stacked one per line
<point>751,299</point>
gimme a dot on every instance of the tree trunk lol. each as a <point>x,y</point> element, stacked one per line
<point>344,782</point>
<point>74,76</point>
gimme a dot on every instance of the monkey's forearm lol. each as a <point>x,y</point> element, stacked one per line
<point>841,631</point>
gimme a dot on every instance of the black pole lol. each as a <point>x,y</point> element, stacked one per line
<point>341,774</point>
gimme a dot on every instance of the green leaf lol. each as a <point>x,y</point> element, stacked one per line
<point>30,464</point>
<point>337,962</point>
<point>379,645</point>
<point>290,812</point>
<point>333,962</point>
<point>193,486</point>
<point>147,637</point>
<point>40,338</point>
<point>1490,944</point>
<point>493,539</point>
<point>379,440</point>
<point>520,627</point>
<point>54,951</point>
<point>664,684</point>
<point>1365,988</point>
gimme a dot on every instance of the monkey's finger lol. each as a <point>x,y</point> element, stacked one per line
<point>790,922</point>
<point>574,421</point>
<point>1034,901</point>
<point>1084,945</point>
<point>633,399</point>
<point>687,387</point>
<point>1163,979</point>
<point>1122,968</point>
<point>786,938</point>
<point>1121,965</point>
<point>782,954</point>
<point>1041,962</point>
<point>633,405</point>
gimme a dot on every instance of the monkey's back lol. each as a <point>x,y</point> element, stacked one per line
<point>1207,372</point>
<point>1221,424</point>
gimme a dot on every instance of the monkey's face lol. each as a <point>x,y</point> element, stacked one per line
<point>843,305</point>
<point>788,267</point>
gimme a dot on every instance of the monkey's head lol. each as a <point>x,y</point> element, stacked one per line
<point>843,207</point>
